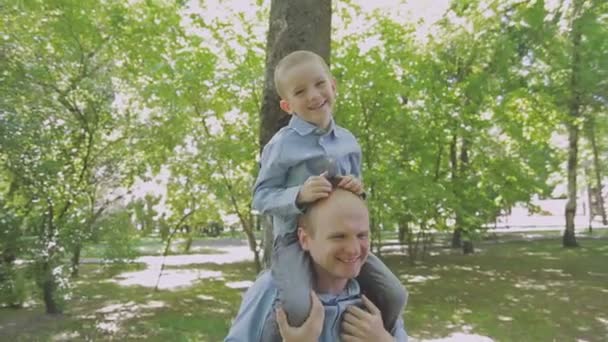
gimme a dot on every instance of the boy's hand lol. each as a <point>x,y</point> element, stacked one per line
<point>315,187</point>
<point>310,330</point>
<point>352,184</point>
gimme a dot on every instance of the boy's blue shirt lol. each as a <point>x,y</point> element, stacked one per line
<point>258,304</point>
<point>284,167</point>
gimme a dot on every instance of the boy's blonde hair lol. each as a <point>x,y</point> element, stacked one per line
<point>291,60</point>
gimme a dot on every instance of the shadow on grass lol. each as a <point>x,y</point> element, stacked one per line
<point>516,291</point>
<point>513,291</point>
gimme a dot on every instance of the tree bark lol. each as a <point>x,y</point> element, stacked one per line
<point>457,234</point>
<point>569,238</point>
<point>76,260</point>
<point>49,286</point>
<point>268,241</point>
<point>293,25</point>
<point>597,173</point>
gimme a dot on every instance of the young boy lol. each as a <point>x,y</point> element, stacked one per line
<point>299,165</point>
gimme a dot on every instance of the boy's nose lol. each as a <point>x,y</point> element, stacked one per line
<point>313,94</point>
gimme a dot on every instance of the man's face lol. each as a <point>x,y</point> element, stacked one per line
<point>340,242</point>
<point>309,92</point>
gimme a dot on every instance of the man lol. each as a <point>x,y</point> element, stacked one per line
<point>335,233</point>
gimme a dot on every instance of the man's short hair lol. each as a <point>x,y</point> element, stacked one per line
<point>305,220</point>
<point>290,61</point>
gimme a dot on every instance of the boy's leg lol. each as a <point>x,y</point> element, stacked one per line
<point>293,278</point>
<point>383,288</point>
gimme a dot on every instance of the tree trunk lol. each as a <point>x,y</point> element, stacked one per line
<point>268,240</point>
<point>188,243</point>
<point>293,25</point>
<point>598,173</point>
<point>457,234</point>
<point>569,238</point>
<point>76,260</point>
<point>48,289</point>
<point>254,248</point>
<point>467,247</point>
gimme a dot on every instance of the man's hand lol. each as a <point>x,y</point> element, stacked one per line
<point>361,326</point>
<point>315,187</point>
<point>352,184</point>
<point>310,331</point>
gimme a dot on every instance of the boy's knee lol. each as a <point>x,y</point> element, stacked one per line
<point>297,312</point>
<point>399,295</point>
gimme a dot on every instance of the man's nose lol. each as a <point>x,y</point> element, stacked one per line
<point>352,246</point>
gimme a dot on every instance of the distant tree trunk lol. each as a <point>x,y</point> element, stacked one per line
<point>598,173</point>
<point>76,259</point>
<point>293,25</point>
<point>268,240</point>
<point>457,234</point>
<point>467,246</point>
<point>49,286</point>
<point>569,238</point>
<point>253,247</point>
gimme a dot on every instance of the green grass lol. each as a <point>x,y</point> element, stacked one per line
<point>150,246</point>
<point>511,291</point>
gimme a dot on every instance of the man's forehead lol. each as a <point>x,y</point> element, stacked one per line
<point>341,206</point>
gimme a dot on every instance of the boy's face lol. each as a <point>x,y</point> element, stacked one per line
<point>309,93</point>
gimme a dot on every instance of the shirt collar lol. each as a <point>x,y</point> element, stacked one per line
<point>303,127</point>
<point>352,290</point>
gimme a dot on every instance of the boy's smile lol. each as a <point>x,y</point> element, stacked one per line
<point>310,93</point>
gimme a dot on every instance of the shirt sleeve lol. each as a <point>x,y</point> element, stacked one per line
<point>355,162</point>
<point>399,331</point>
<point>270,194</point>
<point>257,303</point>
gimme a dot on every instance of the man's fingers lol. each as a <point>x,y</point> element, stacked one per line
<point>317,307</point>
<point>350,318</point>
<point>282,321</point>
<point>358,313</point>
<point>350,328</point>
<point>370,306</point>
<point>348,338</point>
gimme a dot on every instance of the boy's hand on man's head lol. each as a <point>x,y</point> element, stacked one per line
<point>315,187</point>
<point>352,184</point>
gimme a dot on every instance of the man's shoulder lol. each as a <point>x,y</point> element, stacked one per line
<point>256,305</point>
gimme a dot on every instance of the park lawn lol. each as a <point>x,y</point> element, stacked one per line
<point>512,291</point>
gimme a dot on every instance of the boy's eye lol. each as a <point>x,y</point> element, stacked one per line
<point>298,92</point>
<point>319,83</point>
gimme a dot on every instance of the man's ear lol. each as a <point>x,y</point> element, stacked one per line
<point>303,238</point>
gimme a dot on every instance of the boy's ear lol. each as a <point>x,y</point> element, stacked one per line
<point>285,106</point>
<point>333,84</point>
